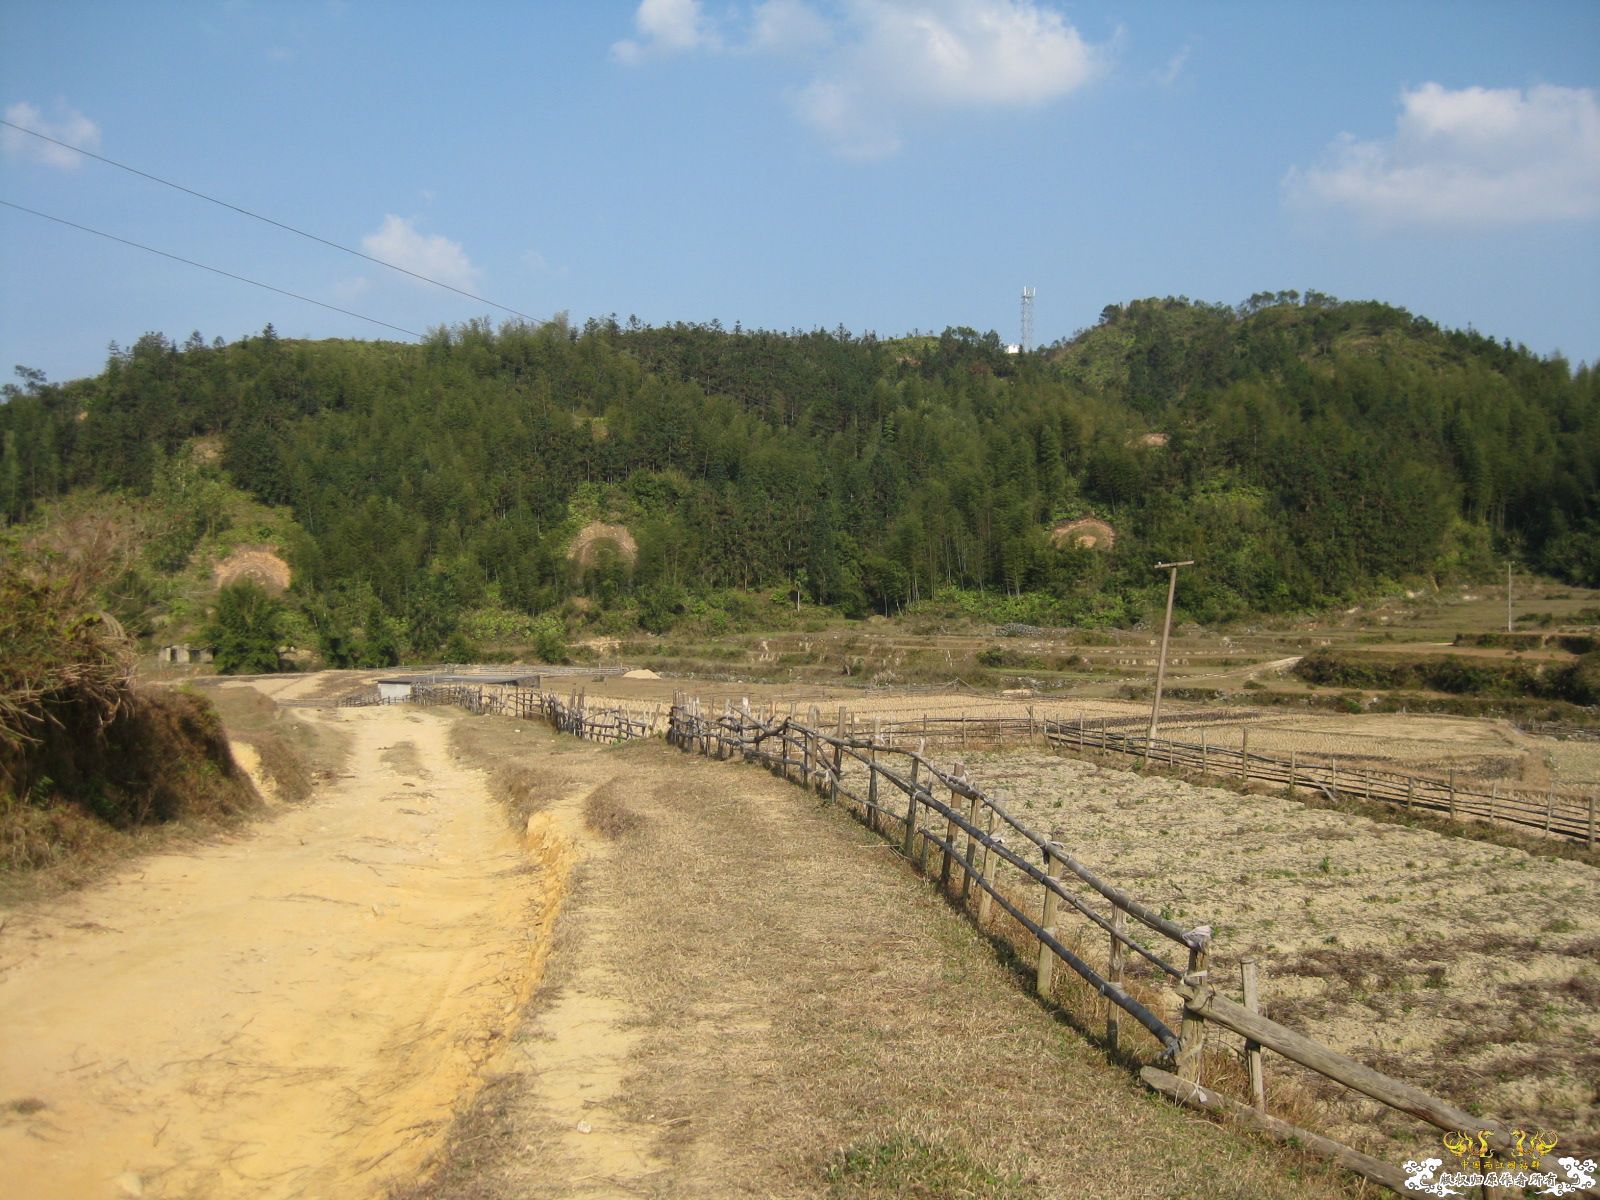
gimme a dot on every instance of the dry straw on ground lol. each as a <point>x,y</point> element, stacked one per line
<point>585,548</point>
<point>258,564</point>
<point>1090,533</point>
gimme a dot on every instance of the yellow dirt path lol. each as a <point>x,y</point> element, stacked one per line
<point>291,1013</point>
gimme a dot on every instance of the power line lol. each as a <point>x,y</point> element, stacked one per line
<point>268,220</point>
<point>214,270</point>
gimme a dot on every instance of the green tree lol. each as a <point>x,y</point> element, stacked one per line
<point>246,629</point>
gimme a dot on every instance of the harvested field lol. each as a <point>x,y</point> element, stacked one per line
<point>1477,749</point>
<point>1467,969</point>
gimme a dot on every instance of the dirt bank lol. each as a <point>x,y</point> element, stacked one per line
<point>291,1012</point>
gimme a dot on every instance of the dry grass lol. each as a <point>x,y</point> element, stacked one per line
<point>606,813</point>
<point>775,968</point>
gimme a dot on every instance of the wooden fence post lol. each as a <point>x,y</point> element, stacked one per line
<point>1494,795</point>
<point>1591,820</point>
<point>1452,793</point>
<point>909,844</point>
<point>1119,953</point>
<point>1045,978</point>
<point>1252,1050</point>
<point>1192,1034</point>
<point>1292,765</point>
<point>1244,754</point>
<point>1411,791</point>
<point>968,858</point>
<point>950,829</point>
<point>1549,808</point>
<point>872,780</point>
<point>1205,754</point>
<point>985,900</point>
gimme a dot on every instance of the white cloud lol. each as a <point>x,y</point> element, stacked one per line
<point>1468,158</point>
<point>667,27</point>
<point>399,243</point>
<point>72,127</point>
<point>1169,74</point>
<point>874,66</point>
<point>788,27</point>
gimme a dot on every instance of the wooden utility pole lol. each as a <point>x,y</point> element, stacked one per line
<point>1161,662</point>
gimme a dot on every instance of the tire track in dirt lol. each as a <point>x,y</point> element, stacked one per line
<point>294,1012</point>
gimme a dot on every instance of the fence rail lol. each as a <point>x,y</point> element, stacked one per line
<point>961,837</point>
<point>1562,814</point>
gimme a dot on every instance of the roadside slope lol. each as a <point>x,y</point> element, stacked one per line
<point>750,996</point>
<point>291,1012</point>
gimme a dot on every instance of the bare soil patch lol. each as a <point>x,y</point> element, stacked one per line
<point>295,1012</point>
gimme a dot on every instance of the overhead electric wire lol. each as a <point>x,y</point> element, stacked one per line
<point>268,220</point>
<point>214,270</point>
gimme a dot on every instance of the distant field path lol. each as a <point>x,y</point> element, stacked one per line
<point>290,1012</point>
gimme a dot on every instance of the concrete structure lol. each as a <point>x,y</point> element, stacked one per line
<point>183,655</point>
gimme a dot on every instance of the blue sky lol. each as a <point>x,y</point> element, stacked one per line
<point>796,163</point>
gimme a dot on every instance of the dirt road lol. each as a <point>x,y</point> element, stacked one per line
<point>292,1012</point>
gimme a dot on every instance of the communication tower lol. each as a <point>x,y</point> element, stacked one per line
<point>1027,320</point>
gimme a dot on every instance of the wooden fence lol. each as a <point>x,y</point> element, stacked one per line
<point>962,837</point>
<point>575,715</point>
<point>1560,814</point>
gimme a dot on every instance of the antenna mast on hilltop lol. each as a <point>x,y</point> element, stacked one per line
<point>1026,343</point>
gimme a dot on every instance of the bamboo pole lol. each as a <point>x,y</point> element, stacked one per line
<point>1298,1048</point>
<point>1365,1165</point>
<point>1252,1049</point>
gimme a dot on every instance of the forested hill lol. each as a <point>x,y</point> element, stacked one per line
<point>1303,450</point>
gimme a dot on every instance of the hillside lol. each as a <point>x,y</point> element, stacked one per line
<point>1304,450</point>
